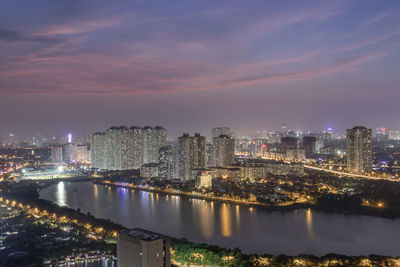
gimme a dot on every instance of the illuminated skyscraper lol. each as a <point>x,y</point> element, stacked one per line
<point>137,148</point>
<point>191,154</point>
<point>183,158</point>
<point>223,151</point>
<point>97,150</point>
<point>198,151</point>
<point>118,148</point>
<point>166,162</point>
<point>359,150</point>
<point>153,140</point>
<point>69,138</point>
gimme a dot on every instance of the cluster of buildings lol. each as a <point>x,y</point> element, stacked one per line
<point>190,157</point>
<point>13,141</point>
<point>223,155</point>
<point>289,145</point>
<point>383,134</point>
<point>70,153</point>
<point>123,148</point>
<point>286,144</point>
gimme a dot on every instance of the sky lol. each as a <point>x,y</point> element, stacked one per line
<point>83,66</point>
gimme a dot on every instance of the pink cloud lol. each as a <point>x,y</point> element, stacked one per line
<point>82,26</point>
<point>86,74</point>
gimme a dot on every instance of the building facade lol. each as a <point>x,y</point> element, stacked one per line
<point>190,154</point>
<point>223,151</point>
<point>217,131</point>
<point>204,179</point>
<point>359,150</point>
<point>166,162</point>
<point>123,148</point>
<point>309,145</point>
<point>142,248</point>
<point>56,154</point>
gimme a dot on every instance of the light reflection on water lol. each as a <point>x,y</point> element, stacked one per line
<point>61,195</point>
<point>251,229</point>
<point>309,223</point>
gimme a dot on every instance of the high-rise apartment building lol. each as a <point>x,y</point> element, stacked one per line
<point>183,158</point>
<point>209,151</point>
<point>123,148</point>
<point>309,145</point>
<point>198,151</point>
<point>118,147</point>
<point>75,153</point>
<point>98,150</point>
<point>136,136</point>
<point>288,143</point>
<point>190,154</point>
<point>141,248</point>
<point>56,154</point>
<point>359,150</point>
<point>153,140</point>
<point>166,162</point>
<point>217,131</point>
<point>223,151</point>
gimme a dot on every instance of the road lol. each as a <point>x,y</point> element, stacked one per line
<point>348,174</point>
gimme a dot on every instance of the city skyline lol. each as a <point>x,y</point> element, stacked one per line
<point>199,133</point>
<point>81,67</point>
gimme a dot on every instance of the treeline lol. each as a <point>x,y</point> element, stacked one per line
<point>185,253</point>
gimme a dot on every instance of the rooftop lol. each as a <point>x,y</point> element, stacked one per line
<point>142,234</point>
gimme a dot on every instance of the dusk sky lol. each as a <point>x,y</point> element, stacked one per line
<point>82,66</point>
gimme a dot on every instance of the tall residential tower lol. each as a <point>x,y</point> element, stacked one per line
<point>359,150</point>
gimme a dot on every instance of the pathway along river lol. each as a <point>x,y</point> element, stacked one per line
<point>253,230</point>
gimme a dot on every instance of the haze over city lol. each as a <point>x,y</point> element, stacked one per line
<point>78,66</point>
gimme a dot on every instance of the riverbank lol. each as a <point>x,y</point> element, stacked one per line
<point>185,252</point>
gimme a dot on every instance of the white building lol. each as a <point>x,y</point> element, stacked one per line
<point>204,180</point>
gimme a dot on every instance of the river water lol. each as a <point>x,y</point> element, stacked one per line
<point>253,230</point>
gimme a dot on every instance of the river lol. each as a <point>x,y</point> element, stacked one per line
<point>253,230</point>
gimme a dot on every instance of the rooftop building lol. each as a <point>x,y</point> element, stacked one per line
<point>142,248</point>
